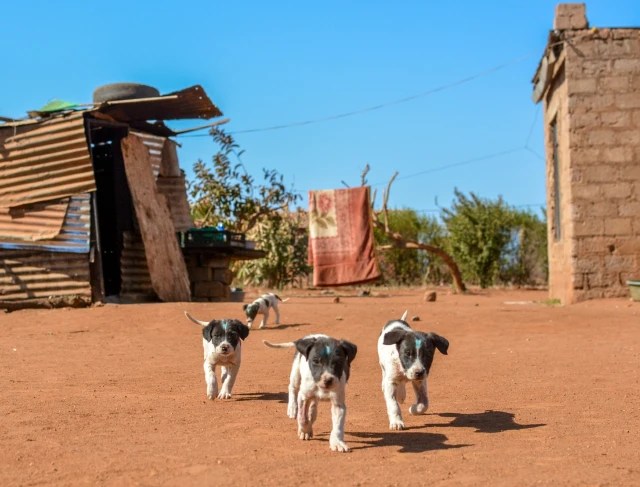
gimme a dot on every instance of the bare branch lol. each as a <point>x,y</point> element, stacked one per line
<point>363,176</point>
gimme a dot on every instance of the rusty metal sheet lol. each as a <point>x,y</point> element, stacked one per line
<point>73,236</point>
<point>29,274</point>
<point>164,257</point>
<point>37,221</point>
<point>191,102</point>
<point>44,161</point>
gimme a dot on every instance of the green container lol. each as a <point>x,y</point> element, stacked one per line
<point>634,289</point>
<point>210,237</point>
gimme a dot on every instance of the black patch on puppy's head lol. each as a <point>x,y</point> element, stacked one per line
<point>231,331</point>
<point>329,355</point>
<point>251,310</point>
<point>414,345</point>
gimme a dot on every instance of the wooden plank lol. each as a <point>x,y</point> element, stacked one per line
<point>168,271</point>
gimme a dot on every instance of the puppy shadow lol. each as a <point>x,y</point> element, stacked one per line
<point>263,396</point>
<point>487,422</point>
<point>408,441</point>
<point>285,326</point>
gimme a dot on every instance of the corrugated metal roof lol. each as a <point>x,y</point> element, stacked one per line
<point>191,102</point>
<point>73,236</point>
<point>44,161</point>
<point>28,274</point>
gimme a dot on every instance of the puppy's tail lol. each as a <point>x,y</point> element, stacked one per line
<point>404,315</point>
<point>197,322</point>
<point>278,345</point>
<point>280,299</point>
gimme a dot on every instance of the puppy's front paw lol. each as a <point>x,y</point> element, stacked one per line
<point>262,325</point>
<point>212,392</point>
<point>305,435</point>
<point>224,395</point>
<point>418,408</point>
<point>338,445</point>
<point>396,425</point>
<point>292,411</point>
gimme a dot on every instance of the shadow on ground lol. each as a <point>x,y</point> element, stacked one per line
<point>263,396</point>
<point>408,441</point>
<point>282,326</point>
<point>486,422</point>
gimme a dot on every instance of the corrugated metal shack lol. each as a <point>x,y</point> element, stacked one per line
<point>91,199</point>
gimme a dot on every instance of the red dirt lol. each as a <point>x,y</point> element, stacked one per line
<point>529,394</point>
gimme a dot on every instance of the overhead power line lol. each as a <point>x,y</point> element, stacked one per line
<point>380,106</point>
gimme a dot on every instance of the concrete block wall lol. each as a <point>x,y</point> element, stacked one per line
<point>210,277</point>
<point>599,102</point>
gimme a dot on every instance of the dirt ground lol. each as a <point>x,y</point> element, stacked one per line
<point>529,394</point>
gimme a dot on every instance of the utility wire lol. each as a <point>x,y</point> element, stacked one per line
<point>380,106</point>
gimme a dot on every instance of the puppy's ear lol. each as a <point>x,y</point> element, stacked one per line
<point>394,337</point>
<point>244,306</point>
<point>441,343</point>
<point>304,346</point>
<point>207,330</point>
<point>241,328</point>
<point>350,350</point>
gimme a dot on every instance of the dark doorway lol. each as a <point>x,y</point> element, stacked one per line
<point>112,206</point>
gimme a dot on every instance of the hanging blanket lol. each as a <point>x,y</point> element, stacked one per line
<point>341,246</point>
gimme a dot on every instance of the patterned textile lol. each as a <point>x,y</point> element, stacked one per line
<point>341,245</point>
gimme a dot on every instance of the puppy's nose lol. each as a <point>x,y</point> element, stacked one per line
<point>420,374</point>
<point>328,381</point>
<point>224,348</point>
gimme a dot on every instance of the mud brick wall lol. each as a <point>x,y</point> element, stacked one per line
<point>595,101</point>
<point>210,277</point>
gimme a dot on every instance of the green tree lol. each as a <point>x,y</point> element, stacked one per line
<point>478,232</point>
<point>524,260</point>
<point>285,241</point>
<point>224,192</point>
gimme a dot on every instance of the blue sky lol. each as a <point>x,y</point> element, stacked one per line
<point>278,63</point>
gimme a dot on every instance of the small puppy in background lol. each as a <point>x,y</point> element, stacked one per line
<point>320,371</point>
<point>222,343</point>
<point>262,306</point>
<point>405,356</point>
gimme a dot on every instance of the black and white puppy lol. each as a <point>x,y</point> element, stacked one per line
<point>405,356</point>
<point>222,343</point>
<point>262,305</point>
<point>320,371</point>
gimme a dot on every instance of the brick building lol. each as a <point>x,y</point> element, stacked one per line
<point>589,83</point>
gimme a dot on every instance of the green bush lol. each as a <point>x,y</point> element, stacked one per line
<point>478,231</point>
<point>285,243</point>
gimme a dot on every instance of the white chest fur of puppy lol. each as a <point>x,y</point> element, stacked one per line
<point>261,306</point>
<point>222,344</point>
<point>405,356</point>
<point>320,371</point>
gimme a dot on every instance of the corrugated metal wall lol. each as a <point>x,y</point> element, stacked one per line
<point>174,190</point>
<point>136,280</point>
<point>155,144</point>
<point>73,236</point>
<point>26,274</point>
<point>44,161</point>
